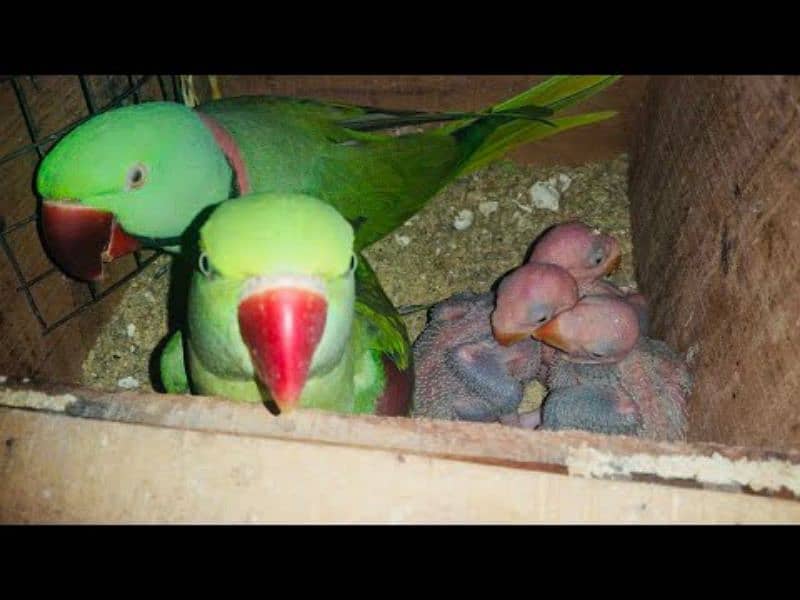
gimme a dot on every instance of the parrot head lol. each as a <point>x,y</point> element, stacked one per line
<point>585,252</point>
<point>141,171</point>
<point>291,260</point>
<point>598,329</point>
<point>529,297</point>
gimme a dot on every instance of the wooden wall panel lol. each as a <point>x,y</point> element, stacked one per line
<point>715,201</point>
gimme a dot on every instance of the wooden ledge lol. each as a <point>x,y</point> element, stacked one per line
<point>76,454</point>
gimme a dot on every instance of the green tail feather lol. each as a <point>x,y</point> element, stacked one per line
<point>517,133</point>
<point>553,94</point>
<point>557,93</point>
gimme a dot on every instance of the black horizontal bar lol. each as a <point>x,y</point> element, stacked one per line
<point>18,224</point>
<point>37,279</point>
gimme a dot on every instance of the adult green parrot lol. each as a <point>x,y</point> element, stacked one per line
<point>277,312</point>
<point>146,175</point>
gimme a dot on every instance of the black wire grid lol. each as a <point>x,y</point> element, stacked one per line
<point>36,144</point>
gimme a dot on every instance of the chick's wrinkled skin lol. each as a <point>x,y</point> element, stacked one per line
<point>644,395</point>
<point>461,372</point>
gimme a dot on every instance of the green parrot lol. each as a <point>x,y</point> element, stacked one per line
<point>149,174</point>
<point>272,317</point>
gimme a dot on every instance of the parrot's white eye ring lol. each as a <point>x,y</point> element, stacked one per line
<point>136,177</point>
<point>204,265</point>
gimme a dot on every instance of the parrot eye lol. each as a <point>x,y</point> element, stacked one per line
<point>204,265</point>
<point>136,177</point>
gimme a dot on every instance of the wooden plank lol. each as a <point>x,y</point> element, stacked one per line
<point>756,471</point>
<point>61,469</point>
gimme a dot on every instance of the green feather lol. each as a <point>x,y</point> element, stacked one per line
<point>379,180</point>
<point>229,240</point>
<point>172,366</point>
<point>515,134</point>
<point>383,328</point>
<point>326,150</point>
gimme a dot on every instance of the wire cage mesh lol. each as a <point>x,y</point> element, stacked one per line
<point>100,93</point>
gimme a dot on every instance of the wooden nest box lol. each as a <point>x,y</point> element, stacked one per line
<point>715,211</point>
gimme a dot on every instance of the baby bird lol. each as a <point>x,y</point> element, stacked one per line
<point>643,395</point>
<point>476,354</point>
<point>461,372</point>
<point>598,329</point>
<point>529,297</point>
<point>608,378</point>
<point>586,253</point>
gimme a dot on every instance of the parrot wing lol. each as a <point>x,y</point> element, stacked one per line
<point>378,181</point>
<point>379,338</point>
<point>386,332</point>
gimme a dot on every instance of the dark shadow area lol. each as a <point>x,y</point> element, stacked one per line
<point>180,278</point>
<point>154,365</point>
<point>181,271</point>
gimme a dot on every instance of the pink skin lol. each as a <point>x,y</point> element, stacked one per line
<point>638,301</point>
<point>599,329</point>
<point>529,297</point>
<point>528,420</point>
<point>586,253</point>
<point>463,373</point>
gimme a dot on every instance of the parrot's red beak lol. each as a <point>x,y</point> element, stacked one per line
<point>80,238</point>
<point>282,326</point>
<point>550,334</point>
